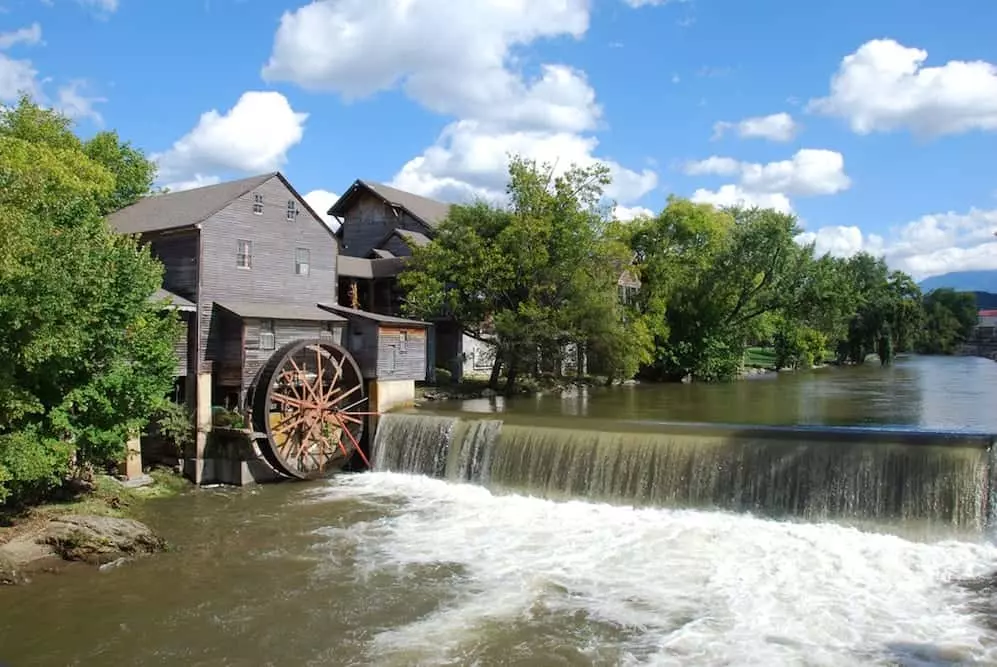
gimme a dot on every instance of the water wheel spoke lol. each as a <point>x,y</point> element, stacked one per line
<point>317,389</point>
<point>296,402</point>
<point>302,378</point>
<point>355,442</point>
<point>339,372</point>
<point>349,408</point>
<point>292,421</point>
<point>287,380</point>
<point>291,402</point>
<point>349,418</point>
<point>339,398</point>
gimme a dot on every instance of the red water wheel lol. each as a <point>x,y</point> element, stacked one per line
<point>310,402</point>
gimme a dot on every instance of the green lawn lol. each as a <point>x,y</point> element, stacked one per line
<point>759,357</point>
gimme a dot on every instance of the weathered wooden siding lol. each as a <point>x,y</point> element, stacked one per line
<point>272,276</point>
<point>397,246</point>
<point>369,221</point>
<point>181,345</point>
<point>285,331</point>
<point>361,341</point>
<point>400,359</point>
<point>178,253</point>
<point>224,337</point>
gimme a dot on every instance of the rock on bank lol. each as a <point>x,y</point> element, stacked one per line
<point>90,539</point>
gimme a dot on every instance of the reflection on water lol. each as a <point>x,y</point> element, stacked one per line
<point>921,392</point>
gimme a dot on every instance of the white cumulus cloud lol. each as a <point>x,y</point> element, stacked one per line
<point>885,86</point>
<point>461,60</point>
<point>735,195</point>
<point>19,75</point>
<point>931,245</point>
<point>75,103</point>
<point>810,172</point>
<point>470,161</point>
<point>776,127</point>
<point>322,201</point>
<point>253,136</point>
<point>626,213</point>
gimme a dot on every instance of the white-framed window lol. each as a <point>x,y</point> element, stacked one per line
<point>244,254</point>
<point>403,342</point>
<point>268,337</point>
<point>258,203</point>
<point>302,261</point>
<point>292,210</point>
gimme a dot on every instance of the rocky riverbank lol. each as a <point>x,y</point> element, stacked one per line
<point>93,528</point>
<point>96,540</point>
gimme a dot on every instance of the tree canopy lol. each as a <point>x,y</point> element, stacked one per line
<point>538,274</point>
<point>85,357</point>
<point>949,318</point>
<point>541,273</point>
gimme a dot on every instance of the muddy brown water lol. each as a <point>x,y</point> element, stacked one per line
<point>389,568</point>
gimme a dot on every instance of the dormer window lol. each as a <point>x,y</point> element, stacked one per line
<point>292,210</point>
<point>258,204</point>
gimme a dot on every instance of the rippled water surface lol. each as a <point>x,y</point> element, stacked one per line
<point>395,569</point>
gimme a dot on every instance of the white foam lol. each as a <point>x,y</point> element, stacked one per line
<point>688,587</point>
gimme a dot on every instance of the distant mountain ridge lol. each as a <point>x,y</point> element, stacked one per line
<point>982,283</point>
<point>963,281</point>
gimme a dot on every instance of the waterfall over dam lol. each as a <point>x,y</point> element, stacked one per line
<point>811,473</point>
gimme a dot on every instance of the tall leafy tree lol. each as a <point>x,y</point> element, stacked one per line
<point>85,358</point>
<point>718,276</point>
<point>949,318</point>
<point>537,274</point>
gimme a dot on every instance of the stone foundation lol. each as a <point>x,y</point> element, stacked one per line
<point>231,456</point>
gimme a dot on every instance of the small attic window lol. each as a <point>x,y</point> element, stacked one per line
<point>292,210</point>
<point>258,204</point>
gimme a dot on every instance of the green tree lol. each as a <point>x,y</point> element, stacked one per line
<point>717,276</point>
<point>537,274</point>
<point>887,310</point>
<point>949,318</point>
<point>85,358</point>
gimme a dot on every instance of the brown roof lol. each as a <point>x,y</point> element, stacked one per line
<point>376,317</point>
<point>280,311</point>
<point>181,209</point>
<point>359,267</point>
<point>429,211</point>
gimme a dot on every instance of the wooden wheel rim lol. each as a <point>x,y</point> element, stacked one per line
<point>315,390</point>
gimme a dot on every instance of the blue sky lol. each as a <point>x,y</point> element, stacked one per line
<point>891,150</point>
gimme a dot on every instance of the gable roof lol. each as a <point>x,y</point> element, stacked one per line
<point>179,210</point>
<point>279,311</point>
<point>407,236</point>
<point>375,317</point>
<point>368,269</point>
<point>187,208</point>
<point>428,211</point>
<point>175,302</point>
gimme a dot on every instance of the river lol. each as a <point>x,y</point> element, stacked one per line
<point>390,568</point>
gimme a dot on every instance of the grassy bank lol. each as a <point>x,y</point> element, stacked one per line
<point>104,496</point>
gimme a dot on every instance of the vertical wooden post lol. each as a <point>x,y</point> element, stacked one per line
<point>194,460</point>
<point>131,467</point>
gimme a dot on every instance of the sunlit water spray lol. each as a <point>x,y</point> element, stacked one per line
<point>532,581</point>
<point>658,551</point>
